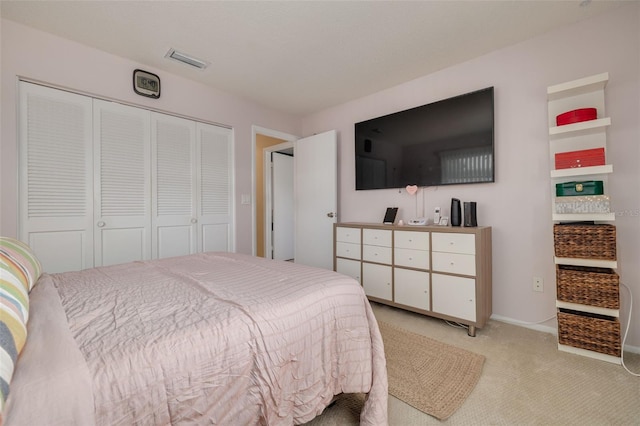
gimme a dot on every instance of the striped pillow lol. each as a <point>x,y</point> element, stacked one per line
<point>19,271</point>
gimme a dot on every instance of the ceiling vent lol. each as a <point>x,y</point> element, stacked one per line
<point>186,59</point>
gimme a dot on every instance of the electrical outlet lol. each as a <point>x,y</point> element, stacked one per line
<point>538,284</point>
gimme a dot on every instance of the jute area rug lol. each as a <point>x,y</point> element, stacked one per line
<point>429,375</point>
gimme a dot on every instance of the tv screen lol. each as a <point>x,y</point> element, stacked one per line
<point>442,143</point>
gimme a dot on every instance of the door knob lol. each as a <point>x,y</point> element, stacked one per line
<point>194,220</point>
<point>101,224</point>
<point>331,214</point>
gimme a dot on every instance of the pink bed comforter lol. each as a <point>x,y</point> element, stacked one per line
<point>214,338</point>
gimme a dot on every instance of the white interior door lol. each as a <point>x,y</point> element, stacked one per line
<point>315,189</point>
<point>283,206</point>
<point>214,186</point>
<point>173,164</point>
<point>56,169</point>
<point>122,184</point>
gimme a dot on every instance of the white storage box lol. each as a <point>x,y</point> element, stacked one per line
<point>583,204</point>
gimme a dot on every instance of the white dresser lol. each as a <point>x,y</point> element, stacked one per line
<point>439,271</point>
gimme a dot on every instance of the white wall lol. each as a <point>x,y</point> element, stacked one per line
<point>40,56</point>
<point>517,205</point>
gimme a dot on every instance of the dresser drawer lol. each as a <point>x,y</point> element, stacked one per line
<point>376,280</point>
<point>376,254</point>
<point>463,264</point>
<point>453,243</point>
<point>348,235</point>
<point>350,250</point>
<point>411,258</point>
<point>349,267</point>
<point>411,240</point>
<point>411,288</point>
<point>376,237</point>
<point>454,296</point>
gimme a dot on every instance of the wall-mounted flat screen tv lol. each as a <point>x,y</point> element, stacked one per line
<point>442,143</point>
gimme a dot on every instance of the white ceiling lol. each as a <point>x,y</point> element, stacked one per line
<point>301,56</point>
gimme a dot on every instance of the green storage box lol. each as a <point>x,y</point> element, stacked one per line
<point>589,187</point>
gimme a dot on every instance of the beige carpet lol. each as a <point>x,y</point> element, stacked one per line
<point>526,381</point>
<point>429,375</point>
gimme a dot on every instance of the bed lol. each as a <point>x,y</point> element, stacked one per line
<point>213,338</point>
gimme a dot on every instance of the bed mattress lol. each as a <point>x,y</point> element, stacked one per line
<point>215,338</point>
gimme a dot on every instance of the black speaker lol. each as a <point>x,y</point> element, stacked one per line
<point>367,145</point>
<point>456,214</point>
<point>470,218</point>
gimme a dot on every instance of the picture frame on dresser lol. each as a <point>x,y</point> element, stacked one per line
<point>390,215</point>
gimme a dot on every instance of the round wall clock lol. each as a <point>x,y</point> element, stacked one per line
<point>146,84</point>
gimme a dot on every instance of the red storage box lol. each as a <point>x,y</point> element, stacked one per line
<point>584,158</point>
<point>576,116</point>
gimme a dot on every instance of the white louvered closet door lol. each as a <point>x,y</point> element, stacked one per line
<point>214,151</point>
<point>122,183</point>
<point>173,162</point>
<point>55,177</point>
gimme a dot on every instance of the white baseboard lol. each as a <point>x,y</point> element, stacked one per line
<point>532,325</point>
<point>547,329</point>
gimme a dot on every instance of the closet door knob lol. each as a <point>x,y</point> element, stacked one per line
<point>194,220</point>
<point>101,224</point>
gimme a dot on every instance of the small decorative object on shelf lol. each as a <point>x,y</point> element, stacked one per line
<point>582,158</point>
<point>583,204</point>
<point>577,116</point>
<point>591,187</point>
<point>587,296</point>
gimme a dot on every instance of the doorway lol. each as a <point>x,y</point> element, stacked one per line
<point>266,141</point>
<point>314,195</point>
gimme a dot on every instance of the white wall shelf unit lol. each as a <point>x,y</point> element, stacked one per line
<point>588,92</point>
<point>581,128</point>
<point>596,263</point>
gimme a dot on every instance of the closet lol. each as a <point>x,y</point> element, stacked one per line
<point>102,183</point>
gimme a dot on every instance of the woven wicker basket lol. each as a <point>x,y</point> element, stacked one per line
<point>590,332</point>
<point>585,241</point>
<point>588,286</point>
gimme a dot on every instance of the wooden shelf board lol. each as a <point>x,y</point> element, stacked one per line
<point>582,171</point>
<point>583,126</point>
<point>590,309</point>
<point>613,264</point>
<point>577,87</point>
<point>591,354</point>
<point>580,217</point>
